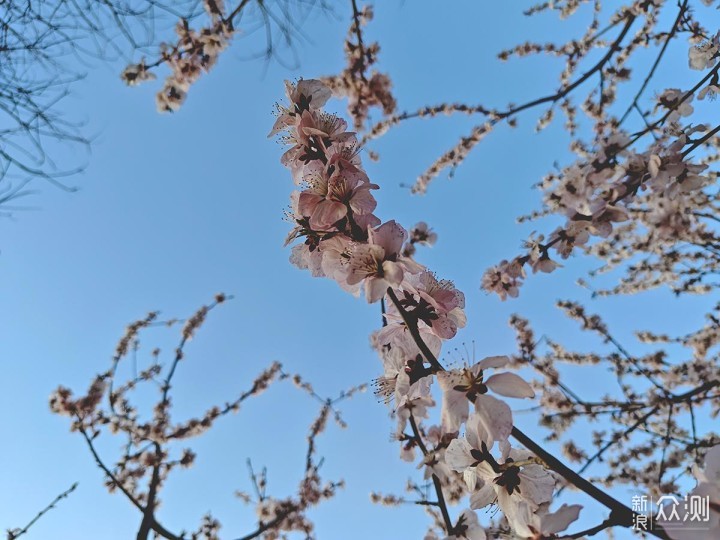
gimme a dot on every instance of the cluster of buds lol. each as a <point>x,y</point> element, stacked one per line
<point>194,53</point>
<point>363,86</point>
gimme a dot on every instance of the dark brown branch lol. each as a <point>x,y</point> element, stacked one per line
<point>619,513</point>
<point>702,140</point>
<point>613,440</point>
<point>552,98</point>
<point>149,514</point>
<point>236,11</point>
<point>266,526</point>
<point>414,332</point>
<point>436,481</point>
<point>589,532</point>
<point>162,531</point>
<point>358,33</point>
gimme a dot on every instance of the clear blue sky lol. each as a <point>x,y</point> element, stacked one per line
<point>173,209</point>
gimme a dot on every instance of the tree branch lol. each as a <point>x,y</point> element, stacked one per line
<point>17,533</point>
<point>619,513</point>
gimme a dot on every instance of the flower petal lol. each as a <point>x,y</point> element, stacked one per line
<point>455,405</point>
<point>457,455</point>
<point>374,289</point>
<point>392,272</point>
<point>493,362</point>
<point>482,497</point>
<point>712,466</point>
<point>390,235</point>
<point>470,477</point>
<point>560,520</point>
<point>326,213</point>
<point>509,385</point>
<point>494,419</point>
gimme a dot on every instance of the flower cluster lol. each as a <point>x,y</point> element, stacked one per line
<point>621,194</point>
<point>364,88</point>
<point>607,186</point>
<point>333,210</point>
<point>343,240</point>
<point>194,53</point>
<point>704,55</point>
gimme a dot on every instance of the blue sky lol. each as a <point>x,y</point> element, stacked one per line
<point>172,209</point>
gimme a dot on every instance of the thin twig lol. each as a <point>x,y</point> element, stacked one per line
<point>17,533</point>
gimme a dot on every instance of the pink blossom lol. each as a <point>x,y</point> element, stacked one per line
<point>378,263</point>
<point>330,195</point>
<point>306,95</point>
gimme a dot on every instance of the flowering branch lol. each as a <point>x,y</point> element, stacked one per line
<point>620,514</point>
<point>683,7</point>
<point>436,481</point>
<point>334,199</point>
<point>454,156</point>
<point>141,471</point>
<point>196,51</point>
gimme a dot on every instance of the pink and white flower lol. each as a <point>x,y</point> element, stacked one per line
<point>462,386</point>
<point>305,95</point>
<point>378,263</point>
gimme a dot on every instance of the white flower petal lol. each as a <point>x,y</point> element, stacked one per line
<point>493,362</point>
<point>455,405</point>
<point>494,419</point>
<point>392,272</point>
<point>375,289</point>
<point>473,531</point>
<point>711,472</point>
<point>509,385</point>
<point>470,477</point>
<point>518,513</point>
<point>482,497</point>
<point>560,520</point>
<point>536,484</point>
<point>457,455</point>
